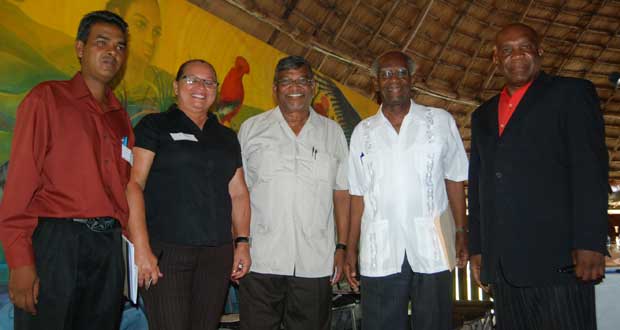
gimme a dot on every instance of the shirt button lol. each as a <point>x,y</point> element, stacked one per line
<point>510,105</point>
<point>498,175</point>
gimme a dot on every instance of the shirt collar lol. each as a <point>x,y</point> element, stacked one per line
<point>80,90</point>
<point>518,93</point>
<point>313,119</point>
<point>415,111</point>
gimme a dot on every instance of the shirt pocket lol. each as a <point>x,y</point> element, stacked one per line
<point>375,247</point>
<point>428,252</point>
<point>324,168</point>
<point>268,164</point>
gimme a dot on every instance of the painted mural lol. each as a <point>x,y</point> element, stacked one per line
<point>38,44</point>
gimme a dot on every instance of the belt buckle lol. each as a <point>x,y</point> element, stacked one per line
<point>99,225</point>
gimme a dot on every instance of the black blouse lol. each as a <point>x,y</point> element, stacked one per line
<point>186,193</point>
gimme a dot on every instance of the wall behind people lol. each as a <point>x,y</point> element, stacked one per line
<point>37,45</point>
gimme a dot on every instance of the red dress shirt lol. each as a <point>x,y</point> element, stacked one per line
<point>65,162</point>
<point>507,105</point>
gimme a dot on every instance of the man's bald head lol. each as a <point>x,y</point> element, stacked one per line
<point>520,27</point>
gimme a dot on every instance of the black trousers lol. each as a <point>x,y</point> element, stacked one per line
<point>81,278</point>
<point>385,300</point>
<point>560,307</point>
<point>192,293</point>
<point>266,301</point>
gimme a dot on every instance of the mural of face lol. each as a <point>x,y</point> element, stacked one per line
<point>103,54</point>
<point>196,98</point>
<point>144,21</point>
<point>291,93</point>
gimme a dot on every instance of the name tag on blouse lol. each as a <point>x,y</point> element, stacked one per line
<point>126,153</point>
<point>183,137</point>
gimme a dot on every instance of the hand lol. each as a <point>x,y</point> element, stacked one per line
<point>462,253</point>
<point>589,265</point>
<point>350,270</point>
<point>241,262</point>
<point>24,288</point>
<point>475,262</point>
<point>338,265</point>
<point>148,268</point>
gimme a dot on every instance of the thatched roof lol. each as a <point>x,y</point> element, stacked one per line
<point>451,41</point>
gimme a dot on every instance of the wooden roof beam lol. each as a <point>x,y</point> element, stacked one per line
<point>381,26</point>
<point>493,66</point>
<point>601,52</point>
<point>581,32</point>
<point>346,20</point>
<point>418,25</point>
<point>450,34</point>
<point>287,12</point>
<point>299,37</point>
<point>469,67</point>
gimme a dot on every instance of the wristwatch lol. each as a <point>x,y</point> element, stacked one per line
<point>340,246</point>
<point>243,239</point>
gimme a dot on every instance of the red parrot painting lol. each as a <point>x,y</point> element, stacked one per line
<point>231,93</point>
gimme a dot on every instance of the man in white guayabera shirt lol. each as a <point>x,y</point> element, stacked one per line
<point>295,167</point>
<point>407,166</point>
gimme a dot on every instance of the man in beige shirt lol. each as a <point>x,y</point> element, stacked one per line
<point>295,167</point>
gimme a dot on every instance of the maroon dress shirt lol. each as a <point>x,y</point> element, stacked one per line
<point>65,162</point>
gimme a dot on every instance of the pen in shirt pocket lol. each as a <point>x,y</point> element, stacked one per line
<point>125,141</point>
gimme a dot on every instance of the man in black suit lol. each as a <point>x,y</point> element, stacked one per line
<point>538,183</point>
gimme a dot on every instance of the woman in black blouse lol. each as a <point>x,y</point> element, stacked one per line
<point>187,193</point>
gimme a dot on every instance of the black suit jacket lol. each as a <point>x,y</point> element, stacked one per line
<point>540,190</point>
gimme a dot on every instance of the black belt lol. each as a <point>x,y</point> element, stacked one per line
<point>98,224</point>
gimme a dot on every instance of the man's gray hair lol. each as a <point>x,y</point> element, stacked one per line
<point>411,65</point>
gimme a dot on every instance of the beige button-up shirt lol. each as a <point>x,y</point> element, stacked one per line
<point>291,180</point>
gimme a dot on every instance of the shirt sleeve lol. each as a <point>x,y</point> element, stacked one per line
<point>28,150</point>
<point>342,153</point>
<point>455,158</point>
<point>242,138</point>
<point>147,133</point>
<point>356,162</point>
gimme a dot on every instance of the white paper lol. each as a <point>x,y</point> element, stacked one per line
<point>132,272</point>
<point>127,154</point>
<point>183,136</point>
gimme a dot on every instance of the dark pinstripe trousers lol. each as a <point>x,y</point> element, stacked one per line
<point>559,307</point>
<point>192,293</point>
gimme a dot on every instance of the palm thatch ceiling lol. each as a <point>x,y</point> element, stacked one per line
<point>451,41</point>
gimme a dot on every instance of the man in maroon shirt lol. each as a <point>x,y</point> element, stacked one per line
<point>64,202</point>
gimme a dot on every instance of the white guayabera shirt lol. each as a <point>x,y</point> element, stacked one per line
<point>402,178</point>
<point>291,180</point>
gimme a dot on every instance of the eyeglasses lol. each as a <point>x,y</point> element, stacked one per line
<point>194,81</point>
<point>303,81</point>
<point>388,74</point>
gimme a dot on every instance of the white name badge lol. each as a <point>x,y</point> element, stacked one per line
<point>127,154</point>
<point>183,137</point>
